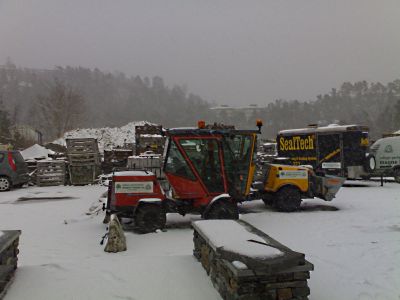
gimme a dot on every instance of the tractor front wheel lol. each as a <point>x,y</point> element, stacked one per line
<point>223,210</point>
<point>288,199</point>
<point>149,218</point>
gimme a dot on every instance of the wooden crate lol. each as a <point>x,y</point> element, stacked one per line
<point>83,145</point>
<point>50,173</point>
<point>85,174</point>
<point>84,160</point>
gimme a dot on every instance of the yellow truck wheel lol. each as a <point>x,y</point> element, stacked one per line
<point>288,199</point>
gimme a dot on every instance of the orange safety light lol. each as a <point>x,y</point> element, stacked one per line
<point>259,125</point>
<point>201,124</point>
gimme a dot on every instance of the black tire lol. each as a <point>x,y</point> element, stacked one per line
<point>268,199</point>
<point>5,184</point>
<point>149,218</point>
<point>396,175</point>
<point>288,199</point>
<point>223,210</point>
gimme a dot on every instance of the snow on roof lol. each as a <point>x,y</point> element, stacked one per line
<point>107,138</point>
<point>234,237</point>
<point>36,151</point>
<point>329,128</point>
<point>151,135</point>
<point>133,173</point>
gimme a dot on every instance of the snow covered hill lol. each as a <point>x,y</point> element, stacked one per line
<point>107,137</point>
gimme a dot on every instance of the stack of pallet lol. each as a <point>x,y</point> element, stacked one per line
<point>245,263</point>
<point>84,160</point>
<point>50,172</point>
<point>9,240</point>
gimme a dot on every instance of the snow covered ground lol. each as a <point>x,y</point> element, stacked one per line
<point>353,242</point>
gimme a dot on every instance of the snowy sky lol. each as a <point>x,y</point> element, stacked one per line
<point>230,51</point>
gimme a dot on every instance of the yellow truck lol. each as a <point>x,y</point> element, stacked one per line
<point>284,186</point>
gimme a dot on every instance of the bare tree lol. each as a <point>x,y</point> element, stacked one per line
<point>62,109</point>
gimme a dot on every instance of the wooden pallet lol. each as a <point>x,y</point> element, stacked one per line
<point>50,173</point>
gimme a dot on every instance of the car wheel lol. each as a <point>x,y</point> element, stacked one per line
<point>5,184</point>
<point>149,218</point>
<point>223,210</point>
<point>288,199</point>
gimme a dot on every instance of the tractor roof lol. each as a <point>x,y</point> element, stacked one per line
<point>202,132</point>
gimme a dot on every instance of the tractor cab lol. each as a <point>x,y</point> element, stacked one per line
<point>203,163</point>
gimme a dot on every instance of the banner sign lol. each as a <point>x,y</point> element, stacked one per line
<point>293,174</point>
<point>139,187</point>
<point>331,165</point>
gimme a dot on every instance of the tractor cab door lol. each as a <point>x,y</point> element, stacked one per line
<point>239,151</point>
<point>204,156</point>
<point>193,167</point>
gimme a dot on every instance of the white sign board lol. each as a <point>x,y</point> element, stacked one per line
<point>293,174</point>
<point>331,165</point>
<point>139,187</point>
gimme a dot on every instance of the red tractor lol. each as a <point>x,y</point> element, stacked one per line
<point>208,170</point>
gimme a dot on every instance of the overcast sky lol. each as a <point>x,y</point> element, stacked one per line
<point>228,51</point>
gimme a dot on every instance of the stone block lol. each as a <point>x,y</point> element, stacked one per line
<point>284,294</point>
<point>240,276</point>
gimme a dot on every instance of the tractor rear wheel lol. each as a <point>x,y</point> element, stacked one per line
<point>223,210</point>
<point>149,218</point>
<point>288,199</point>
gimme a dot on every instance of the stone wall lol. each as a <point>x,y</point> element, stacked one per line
<point>9,240</point>
<point>242,277</point>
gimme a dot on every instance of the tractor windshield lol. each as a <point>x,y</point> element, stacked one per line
<point>204,155</point>
<point>238,154</point>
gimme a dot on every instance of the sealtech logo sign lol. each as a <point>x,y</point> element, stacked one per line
<point>294,143</point>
